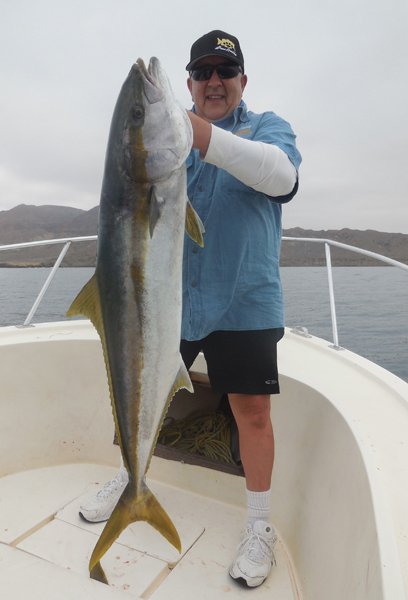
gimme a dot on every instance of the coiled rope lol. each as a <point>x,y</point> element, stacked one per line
<point>205,434</point>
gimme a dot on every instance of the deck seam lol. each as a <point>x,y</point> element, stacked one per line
<point>31,531</point>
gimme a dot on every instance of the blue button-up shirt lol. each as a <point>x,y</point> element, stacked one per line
<point>233,283</point>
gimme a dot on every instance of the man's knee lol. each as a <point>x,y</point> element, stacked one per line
<point>251,411</point>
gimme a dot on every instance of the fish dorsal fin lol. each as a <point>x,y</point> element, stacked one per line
<point>194,225</point>
<point>156,203</point>
<point>87,303</point>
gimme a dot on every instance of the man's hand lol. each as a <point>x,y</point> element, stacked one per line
<point>201,133</point>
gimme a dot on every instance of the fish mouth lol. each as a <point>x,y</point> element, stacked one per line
<point>151,73</point>
<point>151,79</point>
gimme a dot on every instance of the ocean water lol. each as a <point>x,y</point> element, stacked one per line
<point>371,305</point>
<point>371,310</point>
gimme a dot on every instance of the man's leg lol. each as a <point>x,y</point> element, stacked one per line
<point>256,442</point>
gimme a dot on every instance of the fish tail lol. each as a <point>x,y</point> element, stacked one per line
<point>133,506</point>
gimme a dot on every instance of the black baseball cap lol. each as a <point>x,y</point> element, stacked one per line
<point>216,43</point>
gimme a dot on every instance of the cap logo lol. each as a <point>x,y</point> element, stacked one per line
<point>226,44</point>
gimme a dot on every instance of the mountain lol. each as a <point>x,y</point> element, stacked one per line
<point>26,223</point>
<point>393,245</point>
<point>34,222</point>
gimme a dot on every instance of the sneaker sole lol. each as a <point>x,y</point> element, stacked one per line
<point>242,580</point>
<point>100,520</point>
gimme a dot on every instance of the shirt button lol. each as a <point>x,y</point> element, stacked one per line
<point>193,284</point>
<point>195,250</point>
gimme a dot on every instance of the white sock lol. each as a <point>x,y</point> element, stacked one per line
<point>259,506</point>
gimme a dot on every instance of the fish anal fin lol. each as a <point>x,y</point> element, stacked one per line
<point>182,381</point>
<point>194,225</point>
<point>133,506</point>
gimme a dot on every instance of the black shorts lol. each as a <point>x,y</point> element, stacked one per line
<point>238,362</point>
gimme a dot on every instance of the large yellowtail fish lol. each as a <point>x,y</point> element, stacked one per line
<point>134,297</point>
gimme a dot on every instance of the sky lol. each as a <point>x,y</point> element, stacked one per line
<point>337,71</point>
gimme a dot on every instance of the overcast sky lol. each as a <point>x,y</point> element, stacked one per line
<point>336,70</point>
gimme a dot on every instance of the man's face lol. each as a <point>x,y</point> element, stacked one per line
<point>216,98</point>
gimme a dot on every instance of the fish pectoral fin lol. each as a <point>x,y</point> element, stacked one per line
<point>132,507</point>
<point>156,203</point>
<point>194,225</point>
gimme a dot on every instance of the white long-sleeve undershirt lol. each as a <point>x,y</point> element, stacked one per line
<point>263,167</point>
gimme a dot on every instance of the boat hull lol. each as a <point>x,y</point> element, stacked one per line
<point>338,485</point>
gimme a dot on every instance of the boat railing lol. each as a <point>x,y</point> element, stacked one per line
<point>327,247</point>
<point>66,243</point>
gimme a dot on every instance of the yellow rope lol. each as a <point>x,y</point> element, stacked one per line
<point>205,434</point>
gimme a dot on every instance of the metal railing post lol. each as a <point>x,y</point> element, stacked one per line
<point>46,285</point>
<point>331,296</point>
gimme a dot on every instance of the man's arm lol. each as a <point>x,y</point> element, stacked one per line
<point>262,166</point>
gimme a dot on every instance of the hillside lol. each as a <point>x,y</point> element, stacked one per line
<point>28,223</point>
<point>31,223</point>
<point>393,245</point>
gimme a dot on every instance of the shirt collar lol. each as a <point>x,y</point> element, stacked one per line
<point>240,115</point>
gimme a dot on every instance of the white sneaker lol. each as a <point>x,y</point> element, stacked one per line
<point>100,506</point>
<point>255,554</point>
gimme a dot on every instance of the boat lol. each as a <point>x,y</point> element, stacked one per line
<point>340,492</point>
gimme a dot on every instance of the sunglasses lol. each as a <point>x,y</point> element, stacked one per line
<point>204,73</point>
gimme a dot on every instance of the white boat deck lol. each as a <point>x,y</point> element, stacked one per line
<point>339,483</point>
<point>45,546</point>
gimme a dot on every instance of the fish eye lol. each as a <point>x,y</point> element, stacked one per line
<point>138,113</point>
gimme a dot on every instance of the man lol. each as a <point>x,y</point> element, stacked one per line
<point>241,169</point>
